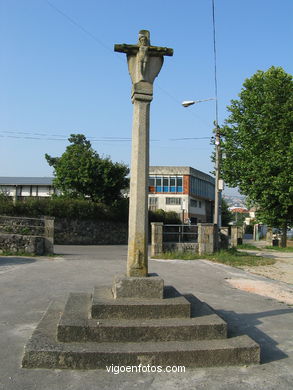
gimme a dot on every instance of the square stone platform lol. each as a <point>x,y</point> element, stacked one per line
<point>96,330</point>
<point>137,287</point>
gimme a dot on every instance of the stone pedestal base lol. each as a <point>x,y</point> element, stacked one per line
<point>92,331</point>
<point>131,287</point>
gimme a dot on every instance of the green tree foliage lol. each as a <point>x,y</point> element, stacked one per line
<point>227,216</point>
<point>257,145</point>
<point>81,173</point>
<point>239,218</point>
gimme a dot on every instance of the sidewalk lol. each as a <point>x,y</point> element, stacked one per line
<point>28,285</point>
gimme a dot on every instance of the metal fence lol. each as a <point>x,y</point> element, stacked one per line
<point>180,233</point>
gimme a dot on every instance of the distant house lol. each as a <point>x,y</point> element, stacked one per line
<point>185,190</point>
<point>26,187</point>
<point>240,210</point>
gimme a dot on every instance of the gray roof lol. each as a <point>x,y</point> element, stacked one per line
<point>26,181</point>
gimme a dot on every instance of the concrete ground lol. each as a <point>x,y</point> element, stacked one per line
<point>27,285</point>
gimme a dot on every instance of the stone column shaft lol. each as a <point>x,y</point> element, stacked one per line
<point>144,64</point>
<point>137,259</point>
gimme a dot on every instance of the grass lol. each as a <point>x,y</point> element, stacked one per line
<point>230,257</point>
<point>277,248</point>
<point>24,254</point>
<point>248,246</point>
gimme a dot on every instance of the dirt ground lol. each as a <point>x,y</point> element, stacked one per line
<point>281,271</point>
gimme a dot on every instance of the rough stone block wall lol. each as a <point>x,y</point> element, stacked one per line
<point>21,225</point>
<point>180,247</point>
<point>90,232</point>
<point>17,243</point>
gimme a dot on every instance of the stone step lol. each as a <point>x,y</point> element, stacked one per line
<point>75,325</point>
<point>44,351</point>
<point>173,305</point>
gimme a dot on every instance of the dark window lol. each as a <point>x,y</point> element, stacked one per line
<point>152,181</point>
<point>173,201</point>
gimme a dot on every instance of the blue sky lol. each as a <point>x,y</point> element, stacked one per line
<point>59,74</point>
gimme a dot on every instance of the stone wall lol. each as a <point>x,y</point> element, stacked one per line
<point>180,247</point>
<point>89,232</point>
<point>22,225</point>
<point>17,243</point>
<point>27,235</point>
<point>236,236</point>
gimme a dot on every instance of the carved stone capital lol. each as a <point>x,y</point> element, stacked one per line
<point>142,91</point>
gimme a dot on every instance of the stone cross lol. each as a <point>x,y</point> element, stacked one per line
<point>144,64</point>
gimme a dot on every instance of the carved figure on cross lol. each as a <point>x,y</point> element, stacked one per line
<point>144,61</point>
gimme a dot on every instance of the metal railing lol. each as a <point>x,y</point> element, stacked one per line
<point>180,233</point>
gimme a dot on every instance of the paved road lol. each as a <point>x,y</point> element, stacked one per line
<point>28,285</point>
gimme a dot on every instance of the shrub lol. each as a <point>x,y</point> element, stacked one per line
<point>249,229</point>
<point>65,208</point>
<point>168,217</point>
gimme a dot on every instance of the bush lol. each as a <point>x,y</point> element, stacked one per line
<point>65,208</point>
<point>167,217</point>
<point>249,229</point>
<point>62,207</point>
<point>6,205</point>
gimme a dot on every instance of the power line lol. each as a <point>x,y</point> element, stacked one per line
<point>71,20</point>
<point>215,60</point>
<point>56,137</point>
<point>187,138</point>
<point>101,43</point>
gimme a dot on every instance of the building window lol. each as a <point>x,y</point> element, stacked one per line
<point>199,203</point>
<point>166,183</point>
<point>173,184</point>
<point>151,181</point>
<point>179,184</point>
<point>158,185</point>
<point>202,188</point>
<point>173,201</point>
<point>193,202</point>
<point>153,201</point>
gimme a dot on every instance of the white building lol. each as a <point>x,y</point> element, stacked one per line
<point>25,187</point>
<point>185,190</point>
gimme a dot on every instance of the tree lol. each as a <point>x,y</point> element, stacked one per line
<point>227,216</point>
<point>81,173</point>
<point>257,145</point>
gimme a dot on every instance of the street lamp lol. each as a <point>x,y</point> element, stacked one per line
<point>218,181</point>
<point>188,103</point>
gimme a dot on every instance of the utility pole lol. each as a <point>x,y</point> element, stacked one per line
<point>217,172</point>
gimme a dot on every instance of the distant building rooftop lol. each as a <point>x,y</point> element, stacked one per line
<point>238,210</point>
<point>22,181</point>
